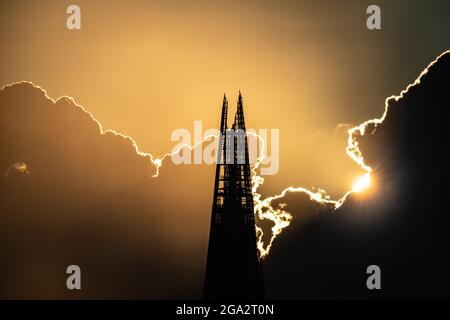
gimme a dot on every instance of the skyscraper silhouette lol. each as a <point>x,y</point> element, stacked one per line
<point>233,268</point>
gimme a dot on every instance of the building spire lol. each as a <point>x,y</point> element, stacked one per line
<point>233,267</point>
<point>223,120</point>
<point>239,122</point>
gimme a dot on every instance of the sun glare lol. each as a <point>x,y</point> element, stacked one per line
<point>362,183</point>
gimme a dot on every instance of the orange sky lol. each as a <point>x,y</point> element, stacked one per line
<point>145,68</point>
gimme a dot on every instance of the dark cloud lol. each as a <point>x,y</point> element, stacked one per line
<point>402,225</point>
<point>87,198</point>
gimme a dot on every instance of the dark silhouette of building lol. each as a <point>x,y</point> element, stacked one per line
<point>233,269</point>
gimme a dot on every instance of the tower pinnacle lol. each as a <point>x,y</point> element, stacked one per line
<point>233,268</point>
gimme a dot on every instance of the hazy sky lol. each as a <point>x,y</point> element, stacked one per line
<point>145,68</point>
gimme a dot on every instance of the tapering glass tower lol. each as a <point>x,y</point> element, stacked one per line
<point>233,268</point>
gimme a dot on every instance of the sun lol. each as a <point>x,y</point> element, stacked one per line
<point>362,183</point>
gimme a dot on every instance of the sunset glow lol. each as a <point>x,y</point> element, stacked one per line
<point>362,183</point>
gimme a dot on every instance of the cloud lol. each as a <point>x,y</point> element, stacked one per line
<point>342,127</point>
<point>20,167</point>
<point>91,200</point>
<point>401,225</point>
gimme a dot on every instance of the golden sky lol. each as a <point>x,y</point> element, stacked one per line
<point>145,68</point>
